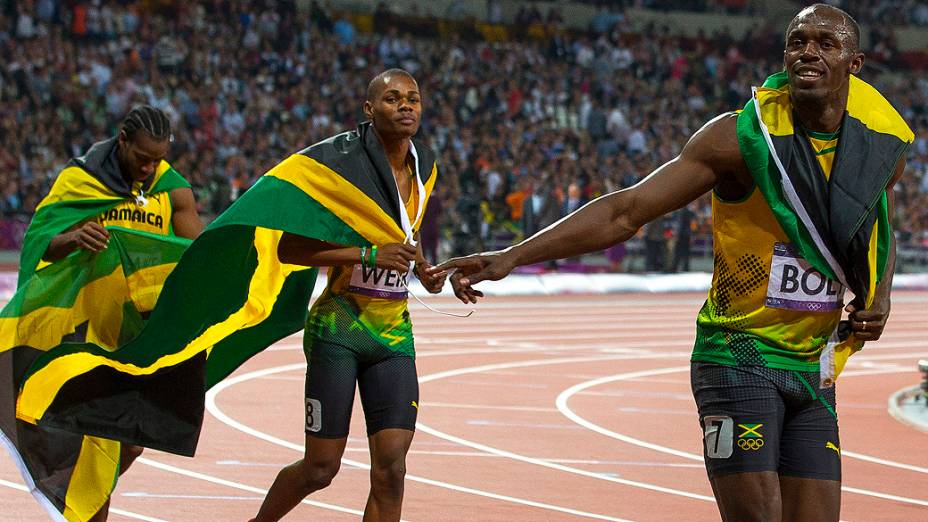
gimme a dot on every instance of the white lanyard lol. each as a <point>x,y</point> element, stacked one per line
<point>420,201</point>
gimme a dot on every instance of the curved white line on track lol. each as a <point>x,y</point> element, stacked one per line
<point>228,483</point>
<point>222,417</point>
<point>561,404</point>
<point>539,462</point>
<point>121,512</point>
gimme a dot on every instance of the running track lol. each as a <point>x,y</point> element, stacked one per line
<point>535,408</point>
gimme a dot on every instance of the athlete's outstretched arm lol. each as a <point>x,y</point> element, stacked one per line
<point>710,155</point>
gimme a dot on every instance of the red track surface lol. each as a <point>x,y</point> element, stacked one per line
<point>546,408</point>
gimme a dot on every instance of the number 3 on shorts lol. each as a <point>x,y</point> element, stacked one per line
<point>314,415</point>
<point>718,435</point>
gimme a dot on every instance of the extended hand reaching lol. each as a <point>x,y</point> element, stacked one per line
<point>469,270</point>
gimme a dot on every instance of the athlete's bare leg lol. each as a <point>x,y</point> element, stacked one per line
<point>747,497</point>
<point>313,472</point>
<point>388,471</point>
<point>810,499</point>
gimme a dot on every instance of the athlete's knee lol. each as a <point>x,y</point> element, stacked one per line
<point>318,474</point>
<point>752,497</point>
<point>387,475</point>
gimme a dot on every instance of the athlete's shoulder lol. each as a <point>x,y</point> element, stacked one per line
<point>717,140</point>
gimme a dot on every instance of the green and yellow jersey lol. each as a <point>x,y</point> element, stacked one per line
<point>767,305</point>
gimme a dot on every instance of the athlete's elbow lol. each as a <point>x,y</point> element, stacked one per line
<point>623,228</point>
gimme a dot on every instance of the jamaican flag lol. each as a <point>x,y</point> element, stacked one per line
<point>229,298</point>
<point>85,297</point>
<point>840,224</point>
<point>87,187</point>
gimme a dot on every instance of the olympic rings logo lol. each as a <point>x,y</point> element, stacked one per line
<point>750,444</point>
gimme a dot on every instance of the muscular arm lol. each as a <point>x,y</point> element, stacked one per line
<point>710,155</point>
<point>185,221</point>
<point>710,159</point>
<point>299,250</point>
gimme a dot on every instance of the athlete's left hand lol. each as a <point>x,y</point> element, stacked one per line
<point>867,325</point>
<point>433,282</point>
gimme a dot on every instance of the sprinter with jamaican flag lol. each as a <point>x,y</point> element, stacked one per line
<point>801,183</point>
<point>359,331</point>
<point>94,259</point>
<point>246,283</point>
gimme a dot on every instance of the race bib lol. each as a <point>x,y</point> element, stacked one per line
<point>378,282</point>
<point>796,285</point>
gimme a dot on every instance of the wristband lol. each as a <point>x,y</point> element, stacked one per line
<point>363,253</point>
<point>373,256</point>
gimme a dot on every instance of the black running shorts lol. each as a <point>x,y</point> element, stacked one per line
<point>388,385</point>
<point>756,418</point>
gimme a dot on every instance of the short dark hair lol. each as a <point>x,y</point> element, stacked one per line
<point>152,121</point>
<point>375,87</point>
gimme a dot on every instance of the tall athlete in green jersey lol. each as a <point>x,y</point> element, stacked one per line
<point>801,184</point>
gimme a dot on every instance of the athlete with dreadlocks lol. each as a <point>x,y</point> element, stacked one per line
<point>123,182</point>
<point>129,164</point>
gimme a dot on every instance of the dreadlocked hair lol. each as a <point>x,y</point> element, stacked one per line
<point>152,121</point>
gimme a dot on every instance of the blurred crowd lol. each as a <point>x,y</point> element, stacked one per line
<point>527,129</point>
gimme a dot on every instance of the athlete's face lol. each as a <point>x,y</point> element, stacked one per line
<point>142,154</point>
<point>821,53</point>
<point>395,109</point>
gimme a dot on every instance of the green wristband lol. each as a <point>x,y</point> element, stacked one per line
<point>363,253</point>
<point>373,256</point>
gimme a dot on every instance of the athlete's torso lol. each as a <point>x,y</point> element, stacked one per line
<point>767,306</point>
<point>153,216</point>
<point>365,308</point>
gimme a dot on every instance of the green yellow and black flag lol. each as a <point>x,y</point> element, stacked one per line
<point>840,222</point>
<point>85,297</point>
<point>229,298</point>
<point>86,188</point>
<point>82,298</point>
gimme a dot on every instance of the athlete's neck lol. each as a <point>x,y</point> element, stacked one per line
<point>821,114</point>
<point>396,151</point>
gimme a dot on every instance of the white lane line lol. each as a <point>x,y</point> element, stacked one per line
<point>430,404</point>
<point>122,512</point>
<point>144,494</point>
<point>212,407</point>
<point>14,485</point>
<point>532,460</point>
<point>228,483</point>
<point>562,399</point>
<point>130,514</point>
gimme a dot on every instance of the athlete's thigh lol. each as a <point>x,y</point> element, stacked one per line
<point>809,444</point>
<point>810,452</point>
<point>740,412</point>
<point>331,375</point>
<point>389,393</point>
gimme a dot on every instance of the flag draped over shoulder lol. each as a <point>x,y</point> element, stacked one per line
<point>87,187</point>
<point>229,298</point>
<point>98,298</point>
<point>839,224</point>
